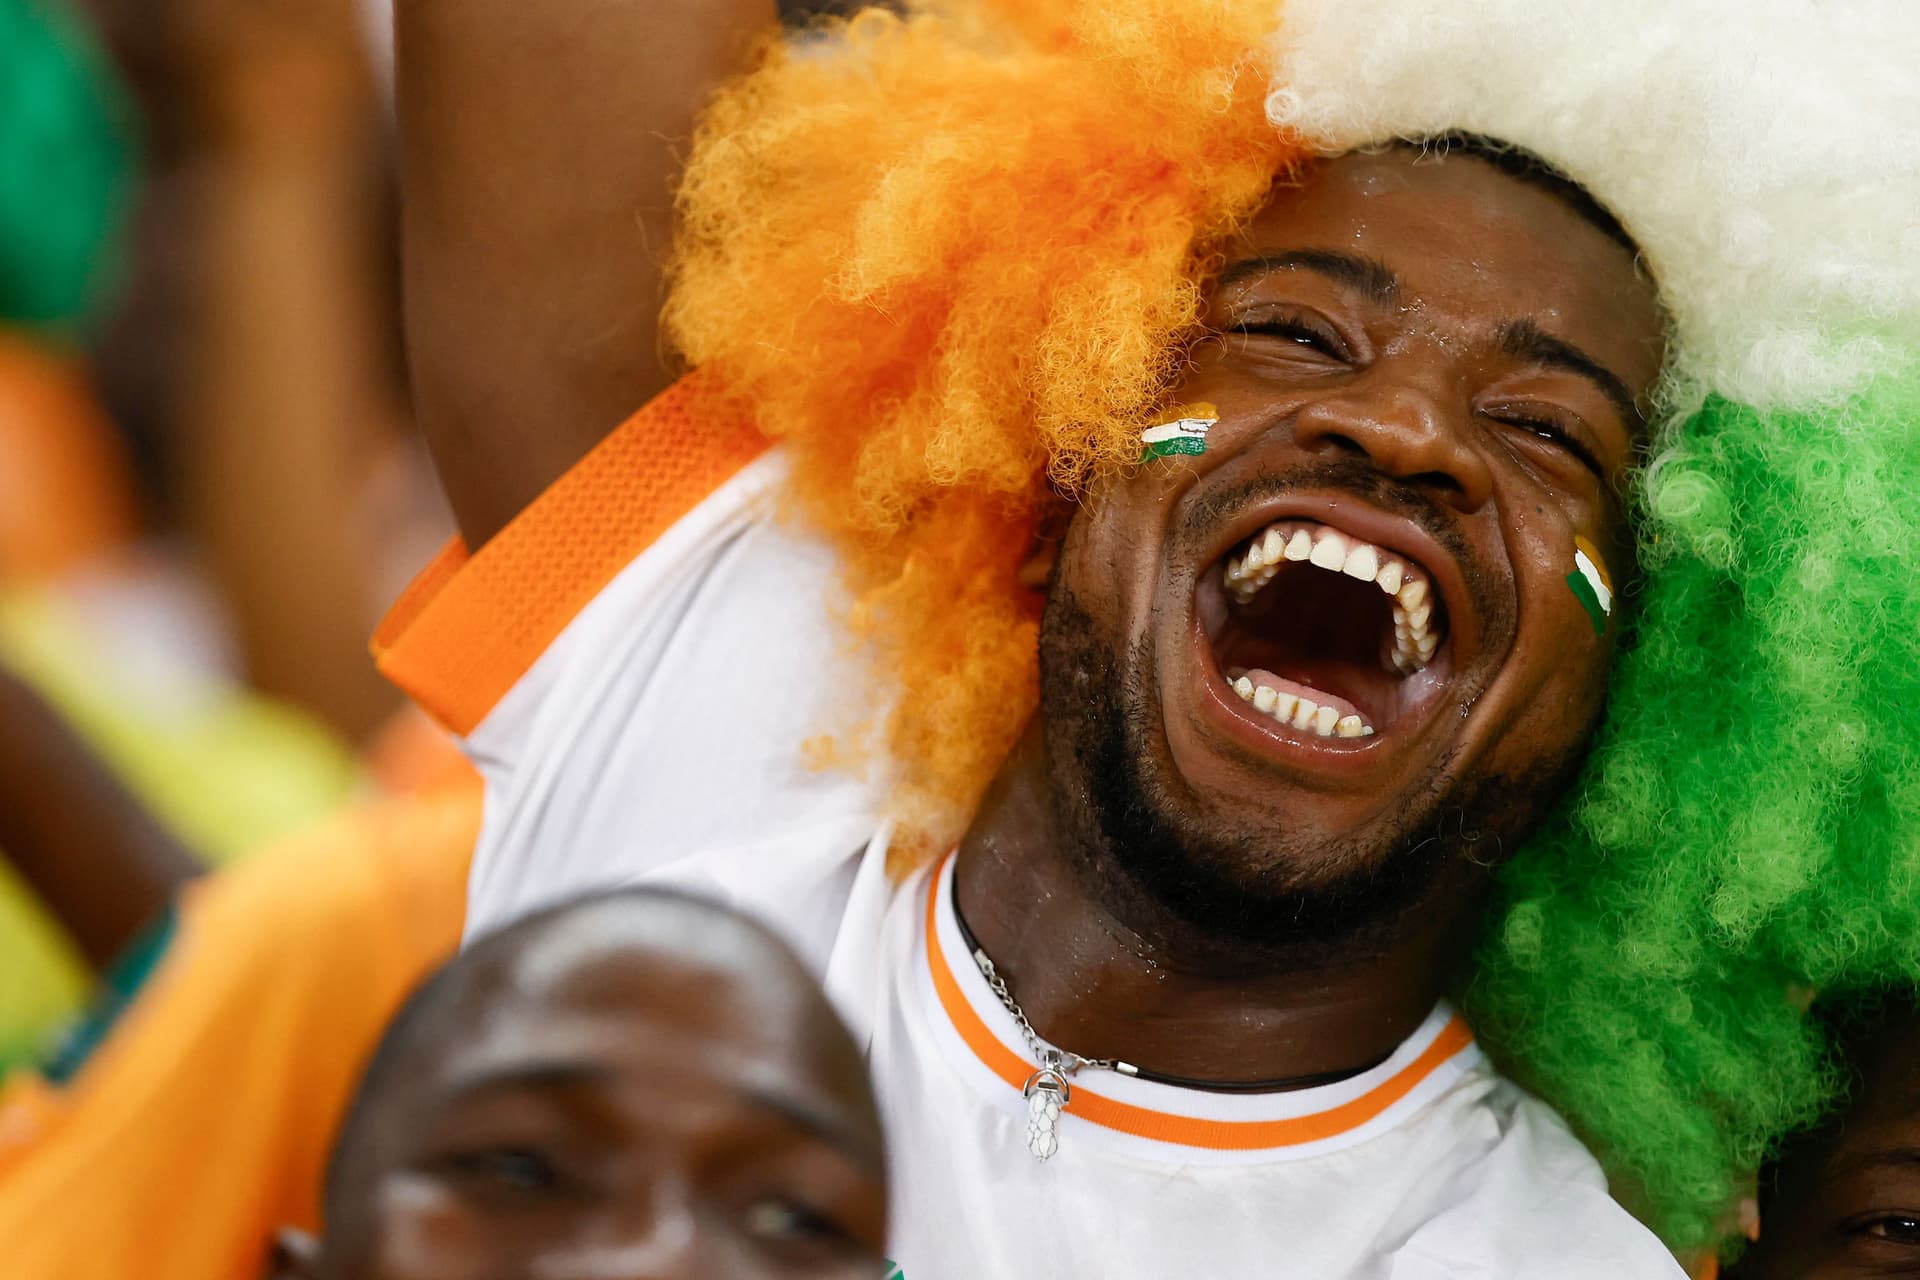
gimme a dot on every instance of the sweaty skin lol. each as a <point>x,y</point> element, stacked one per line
<point>1415,412</point>
<point>1375,384</point>
<point>636,1087</point>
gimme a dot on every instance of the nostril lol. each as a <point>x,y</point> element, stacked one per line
<point>1344,444</point>
<point>1441,480</point>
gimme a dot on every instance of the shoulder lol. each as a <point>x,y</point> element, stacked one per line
<point>1520,1195</point>
<point>665,487</point>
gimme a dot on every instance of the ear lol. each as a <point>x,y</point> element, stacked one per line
<point>1037,568</point>
<point>295,1256</point>
<point>1049,531</point>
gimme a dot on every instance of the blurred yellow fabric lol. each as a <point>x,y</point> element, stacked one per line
<point>205,1120</point>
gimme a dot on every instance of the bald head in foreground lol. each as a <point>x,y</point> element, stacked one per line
<point>638,1084</point>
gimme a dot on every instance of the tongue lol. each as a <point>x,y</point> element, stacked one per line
<point>1260,676</point>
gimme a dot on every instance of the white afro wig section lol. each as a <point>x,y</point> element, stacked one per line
<point>1765,154</point>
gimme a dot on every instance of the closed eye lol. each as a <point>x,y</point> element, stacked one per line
<point>1298,331</point>
<point>521,1172</point>
<point>776,1217</point>
<point>1547,429</point>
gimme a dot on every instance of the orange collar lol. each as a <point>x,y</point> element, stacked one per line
<point>1161,1126</point>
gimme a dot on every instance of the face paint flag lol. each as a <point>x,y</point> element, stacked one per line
<point>1182,433</point>
<point>1591,585</point>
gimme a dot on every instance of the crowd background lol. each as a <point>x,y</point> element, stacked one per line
<point>209,486</point>
<point>210,491</point>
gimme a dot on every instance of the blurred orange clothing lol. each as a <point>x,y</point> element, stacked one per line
<point>205,1119</point>
<point>66,485</point>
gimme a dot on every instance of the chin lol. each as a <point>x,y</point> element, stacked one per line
<point>1189,874</point>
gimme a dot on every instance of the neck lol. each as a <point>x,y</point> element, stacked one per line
<point>1100,978</point>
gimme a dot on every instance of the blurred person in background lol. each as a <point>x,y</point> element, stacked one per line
<point>229,1031</point>
<point>1840,1200</point>
<point>633,1084</point>
<point>256,359</point>
<point>231,1011</point>
<point>89,617</point>
<point>191,1117</point>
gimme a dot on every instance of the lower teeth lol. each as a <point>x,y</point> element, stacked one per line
<point>1301,713</point>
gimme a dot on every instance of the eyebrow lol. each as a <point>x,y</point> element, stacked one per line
<point>1522,339</point>
<point>1527,341</point>
<point>1891,1158</point>
<point>538,1074</point>
<point>1355,271</point>
<point>830,1124</point>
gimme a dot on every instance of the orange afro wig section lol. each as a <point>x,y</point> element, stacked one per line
<point>952,258</point>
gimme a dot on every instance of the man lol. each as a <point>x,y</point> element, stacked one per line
<point>1325,637</point>
<point>1842,1199</point>
<point>639,1084</point>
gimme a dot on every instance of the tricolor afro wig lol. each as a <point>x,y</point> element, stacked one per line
<point>952,259</point>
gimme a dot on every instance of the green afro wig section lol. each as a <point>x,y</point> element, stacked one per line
<point>66,161</point>
<point>1748,829</point>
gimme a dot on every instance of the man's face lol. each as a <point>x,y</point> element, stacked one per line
<point>1846,1203</point>
<point>1425,373</point>
<point>629,1116</point>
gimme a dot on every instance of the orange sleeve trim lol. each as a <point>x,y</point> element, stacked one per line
<point>1144,1122</point>
<point>469,627</point>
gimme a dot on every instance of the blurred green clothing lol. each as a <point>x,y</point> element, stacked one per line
<point>66,166</point>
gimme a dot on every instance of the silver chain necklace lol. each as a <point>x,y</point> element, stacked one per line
<point>1048,1091</point>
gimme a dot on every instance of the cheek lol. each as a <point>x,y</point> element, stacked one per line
<point>423,1232</point>
<point>1081,560</point>
<point>1205,370</point>
<point>1561,658</point>
<point>1111,557</point>
<point>1616,542</point>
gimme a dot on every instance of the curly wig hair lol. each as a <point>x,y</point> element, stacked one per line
<point>952,258</point>
<point>867,204</point>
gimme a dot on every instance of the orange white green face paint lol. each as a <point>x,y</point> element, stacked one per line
<point>1591,584</point>
<point>1180,432</point>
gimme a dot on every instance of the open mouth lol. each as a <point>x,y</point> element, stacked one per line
<point>1323,633</point>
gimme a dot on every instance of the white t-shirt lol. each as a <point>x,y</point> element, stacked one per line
<point>636,689</point>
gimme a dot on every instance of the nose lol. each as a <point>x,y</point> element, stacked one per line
<point>652,1237</point>
<point>1404,431</point>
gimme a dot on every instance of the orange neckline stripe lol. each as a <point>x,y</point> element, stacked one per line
<point>470,626</point>
<point>1144,1122</point>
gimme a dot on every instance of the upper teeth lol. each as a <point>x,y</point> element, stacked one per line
<point>1414,642</point>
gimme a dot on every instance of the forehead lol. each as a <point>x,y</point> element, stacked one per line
<point>621,1008</point>
<point>1472,247</point>
<point>629,1041</point>
<point>1887,1103</point>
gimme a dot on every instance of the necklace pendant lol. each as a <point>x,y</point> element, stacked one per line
<point>1047,1094</point>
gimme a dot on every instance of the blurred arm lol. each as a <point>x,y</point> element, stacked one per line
<point>541,142</point>
<point>95,856</point>
<point>289,397</point>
